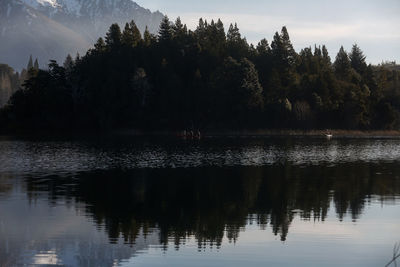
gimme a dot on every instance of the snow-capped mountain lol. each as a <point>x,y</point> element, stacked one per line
<point>50,29</point>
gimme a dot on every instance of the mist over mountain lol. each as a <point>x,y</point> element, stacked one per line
<point>50,29</point>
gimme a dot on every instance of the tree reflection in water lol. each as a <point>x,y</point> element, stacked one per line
<point>211,202</point>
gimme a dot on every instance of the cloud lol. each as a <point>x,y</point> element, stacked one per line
<point>306,32</point>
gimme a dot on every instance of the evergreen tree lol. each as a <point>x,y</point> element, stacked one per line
<point>289,55</point>
<point>179,30</point>
<point>100,45</point>
<point>233,35</point>
<point>357,59</point>
<point>127,37</point>
<point>165,32</point>
<point>220,29</point>
<point>236,46</point>
<point>137,36</point>
<point>113,37</point>
<point>148,38</point>
<point>372,83</point>
<point>201,26</point>
<point>251,88</point>
<point>201,30</point>
<point>325,55</point>
<point>36,65</point>
<point>131,35</point>
<point>68,63</point>
<point>30,63</point>
<point>263,48</point>
<point>263,61</point>
<point>284,59</point>
<point>342,65</point>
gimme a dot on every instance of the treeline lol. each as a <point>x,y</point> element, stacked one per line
<point>206,79</point>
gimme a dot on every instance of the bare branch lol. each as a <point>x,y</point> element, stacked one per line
<point>396,255</point>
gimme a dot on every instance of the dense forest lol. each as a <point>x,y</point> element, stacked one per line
<point>205,79</point>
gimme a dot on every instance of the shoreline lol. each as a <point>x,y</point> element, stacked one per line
<point>315,133</point>
<point>216,133</point>
<point>274,133</point>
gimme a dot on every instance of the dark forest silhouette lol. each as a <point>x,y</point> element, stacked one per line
<point>210,203</point>
<point>205,79</point>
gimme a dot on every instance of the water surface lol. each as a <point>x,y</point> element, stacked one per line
<point>121,201</point>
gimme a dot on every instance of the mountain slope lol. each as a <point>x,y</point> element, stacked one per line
<point>50,29</point>
<point>9,82</point>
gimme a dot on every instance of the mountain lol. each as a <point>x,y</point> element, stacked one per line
<point>50,29</point>
<point>9,83</point>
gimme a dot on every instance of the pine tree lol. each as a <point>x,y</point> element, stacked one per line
<point>237,46</point>
<point>290,55</point>
<point>220,29</point>
<point>252,90</point>
<point>357,59</point>
<point>100,45</point>
<point>137,36</point>
<point>284,58</point>
<point>127,37</point>
<point>165,32</point>
<point>325,56</point>
<point>201,26</point>
<point>147,37</point>
<point>179,29</point>
<point>342,64</point>
<point>68,63</point>
<point>233,35</point>
<point>131,35</point>
<point>36,64</point>
<point>317,51</point>
<point>201,31</point>
<point>30,63</point>
<point>263,47</point>
<point>277,49</point>
<point>114,36</point>
<point>77,58</point>
<point>306,60</point>
<point>372,83</point>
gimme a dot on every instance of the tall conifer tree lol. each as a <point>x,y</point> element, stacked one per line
<point>114,36</point>
<point>342,64</point>
<point>36,64</point>
<point>165,32</point>
<point>357,59</point>
<point>30,63</point>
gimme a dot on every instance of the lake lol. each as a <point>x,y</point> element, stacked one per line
<point>130,201</point>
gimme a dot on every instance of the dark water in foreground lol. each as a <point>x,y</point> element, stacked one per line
<point>214,202</point>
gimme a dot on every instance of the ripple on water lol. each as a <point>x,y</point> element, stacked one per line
<point>58,157</point>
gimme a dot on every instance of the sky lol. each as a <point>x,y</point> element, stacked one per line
<point>373,24</point>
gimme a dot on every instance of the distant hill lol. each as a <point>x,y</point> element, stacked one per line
<point>9,83</point>
<point>50,29</point>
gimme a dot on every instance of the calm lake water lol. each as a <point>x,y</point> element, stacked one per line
<point>128,201</point>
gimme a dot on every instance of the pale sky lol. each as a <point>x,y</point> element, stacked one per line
<point>373,24</point>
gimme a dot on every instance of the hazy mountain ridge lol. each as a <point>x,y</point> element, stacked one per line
<point>9,82</point>
<point>50,29</point>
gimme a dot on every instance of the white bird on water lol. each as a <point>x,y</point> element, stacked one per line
<point>328,135</point>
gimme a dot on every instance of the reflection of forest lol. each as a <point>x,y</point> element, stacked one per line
<point>209,203</point>
<point>6,184</point>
